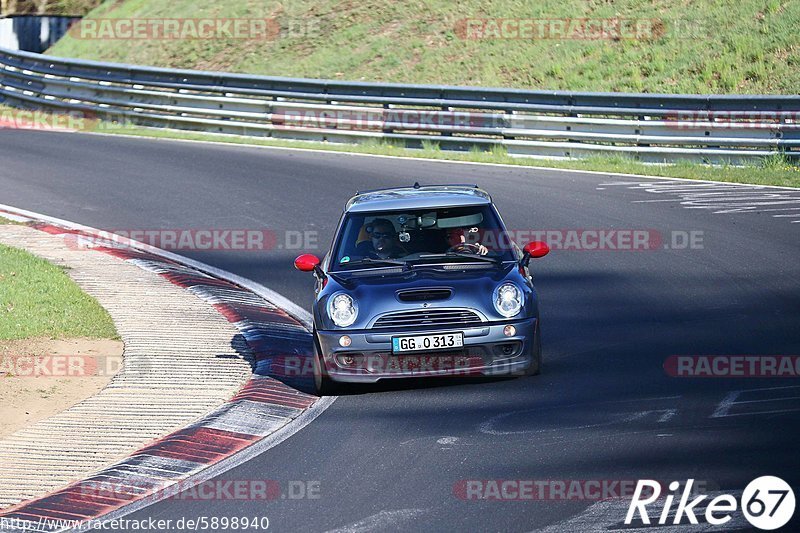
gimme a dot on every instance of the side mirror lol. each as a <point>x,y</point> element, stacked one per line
<point>306,263</point>
<point>535,249</point>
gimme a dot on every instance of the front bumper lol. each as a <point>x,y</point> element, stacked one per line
<point>487,351</point>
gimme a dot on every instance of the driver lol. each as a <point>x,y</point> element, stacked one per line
<point>383,242</point>
<point>457,241</point>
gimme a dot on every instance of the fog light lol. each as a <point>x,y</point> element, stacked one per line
<point>509,331</point>
<point>345,341</point>
<point>347,360</point>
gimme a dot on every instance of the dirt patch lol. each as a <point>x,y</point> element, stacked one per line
<point>42,377</point>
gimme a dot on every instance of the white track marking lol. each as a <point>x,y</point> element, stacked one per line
<point>720,198</point>
<point>781,209</point>
<point>488,428</point>
<point>777,388</point>
<point>769,400</point>
<point>775,412</point>
<point>668,415</point>
<point>724,407</point>
<point>380,521</point>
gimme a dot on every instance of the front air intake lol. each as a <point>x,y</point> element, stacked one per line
<point>424,295</point>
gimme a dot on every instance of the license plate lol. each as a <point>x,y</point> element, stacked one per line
<point>419,343</point>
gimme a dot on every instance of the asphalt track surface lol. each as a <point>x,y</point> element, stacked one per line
<point>388,457</point>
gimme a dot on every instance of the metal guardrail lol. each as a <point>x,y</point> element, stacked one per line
<point>649,127</point>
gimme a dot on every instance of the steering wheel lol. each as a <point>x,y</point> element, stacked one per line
<point>468,247</point>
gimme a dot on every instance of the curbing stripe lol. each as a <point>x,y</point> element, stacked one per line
<point>191,337</point>
<point>261,408</point>
<point>248,418</point>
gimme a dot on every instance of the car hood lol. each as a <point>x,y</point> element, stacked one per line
<point>376,292</point>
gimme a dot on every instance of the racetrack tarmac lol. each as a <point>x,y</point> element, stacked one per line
<point>397,456</point>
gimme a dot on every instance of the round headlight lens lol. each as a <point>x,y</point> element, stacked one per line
<point>508,300</point>
<point>342,309</point>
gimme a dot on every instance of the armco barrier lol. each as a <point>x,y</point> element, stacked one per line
<point>650,127</point>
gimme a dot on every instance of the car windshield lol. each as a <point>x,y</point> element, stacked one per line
<point>389,239</point>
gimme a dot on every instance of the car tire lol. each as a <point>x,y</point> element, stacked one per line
<point>535,367</point>
<point>323,386</point>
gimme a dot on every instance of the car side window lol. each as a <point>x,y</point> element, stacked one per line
<point>347,246</point>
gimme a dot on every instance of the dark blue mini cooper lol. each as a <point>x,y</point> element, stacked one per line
<point>423,281</point>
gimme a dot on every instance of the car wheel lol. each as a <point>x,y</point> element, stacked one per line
<point>323,385</point>
<point>536,364</point>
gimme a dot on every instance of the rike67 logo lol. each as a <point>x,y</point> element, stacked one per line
<point>767,503</point>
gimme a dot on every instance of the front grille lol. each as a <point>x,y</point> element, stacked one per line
<point>429,317</point>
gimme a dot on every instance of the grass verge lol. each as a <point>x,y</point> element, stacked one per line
<point>38,299</point>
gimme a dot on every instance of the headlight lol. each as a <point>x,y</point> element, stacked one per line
<point>342,309</point>
<point>508,300</point>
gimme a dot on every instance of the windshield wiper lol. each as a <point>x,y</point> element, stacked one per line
<point>464,255</point>
<point>371,261</point>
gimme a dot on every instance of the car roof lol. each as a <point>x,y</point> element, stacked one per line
<point>417,197</point>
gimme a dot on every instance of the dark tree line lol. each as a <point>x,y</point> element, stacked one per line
<point>47,7</point>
